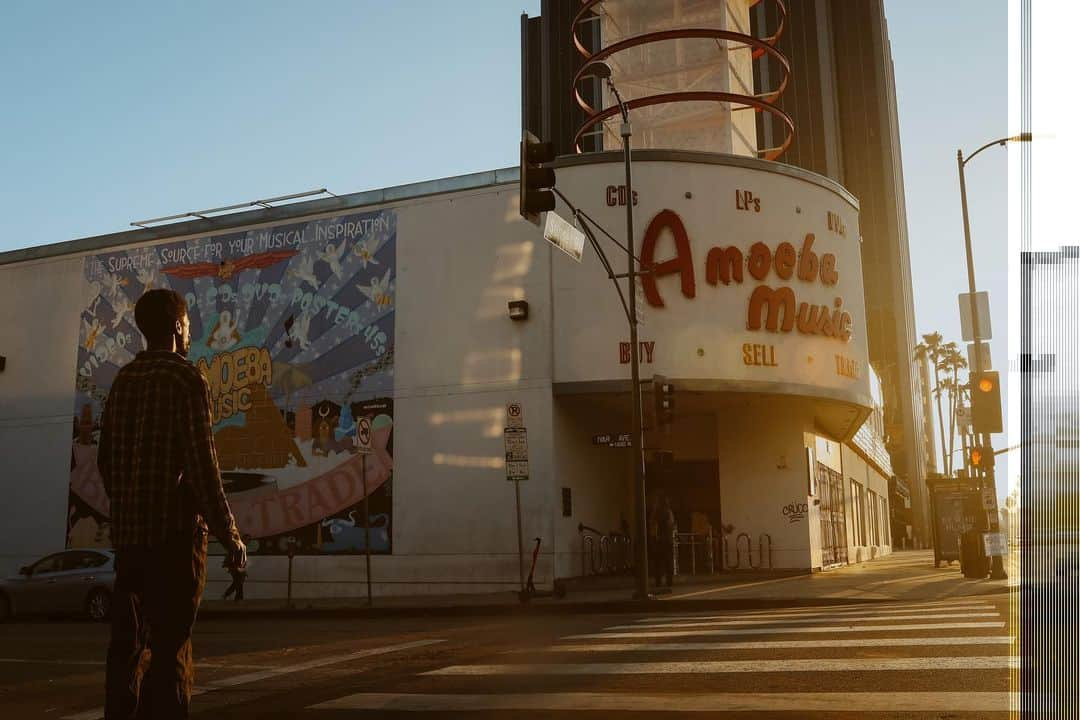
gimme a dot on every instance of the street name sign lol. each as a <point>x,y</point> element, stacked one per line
<point>564,235</point>
<point>622,440</point>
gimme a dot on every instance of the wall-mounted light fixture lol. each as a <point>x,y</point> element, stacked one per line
<point>519,309</point>
<point>3,362</point>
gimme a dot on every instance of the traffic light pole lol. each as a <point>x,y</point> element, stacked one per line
<point>637,449</point>
<point>997,568</point>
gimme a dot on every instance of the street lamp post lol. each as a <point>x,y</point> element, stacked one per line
<point>602,70</point>
<point>997,570</point>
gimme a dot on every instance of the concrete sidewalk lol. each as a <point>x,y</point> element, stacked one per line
<point>905,576</point>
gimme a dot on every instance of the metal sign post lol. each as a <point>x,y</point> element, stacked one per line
<point>363,446</point>
<point>516,445</point>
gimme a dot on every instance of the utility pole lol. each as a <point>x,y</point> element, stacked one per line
<point>997,570</point>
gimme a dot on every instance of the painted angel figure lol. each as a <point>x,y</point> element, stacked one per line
<point>90,331</point>
<point>122,309</point>
<point>147,276</point>
<point>297,332</point>
<point>363,251</point>
<point>113,282</point>
<point>332,256</point>
<point>225,333</point>
<point>379,291</point>
<point>304,271</point>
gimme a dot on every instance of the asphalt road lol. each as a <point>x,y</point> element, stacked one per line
<point>897,660</point>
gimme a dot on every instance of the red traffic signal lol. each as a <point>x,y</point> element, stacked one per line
<point>986,402</point>
<point>980,458</point>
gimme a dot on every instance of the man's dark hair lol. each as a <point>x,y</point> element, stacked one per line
<point>156,314</point>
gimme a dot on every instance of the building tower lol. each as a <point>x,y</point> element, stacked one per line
<point>842,99</point>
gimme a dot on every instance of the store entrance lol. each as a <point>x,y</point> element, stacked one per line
<point>830,490</point>
<point>693,490</point>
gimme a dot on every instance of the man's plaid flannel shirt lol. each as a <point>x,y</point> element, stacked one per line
<point>157,457</point>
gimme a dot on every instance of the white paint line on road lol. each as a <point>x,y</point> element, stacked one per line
<point>783,630</point>
<point>825,612</point>
<point>913,579</point>
<point>321,662</point>
<point>726,588</point>
<point>811,620</point>
<point>801,703</point>
<point>778,644</point>
<point>97,713</point>
<point>702,667</point>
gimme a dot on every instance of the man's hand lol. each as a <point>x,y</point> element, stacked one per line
<point>238,555</point>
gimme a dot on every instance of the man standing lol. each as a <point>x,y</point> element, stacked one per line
<point>159,465</point>
<point>665,542</point>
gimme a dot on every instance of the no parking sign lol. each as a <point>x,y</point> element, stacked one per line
<point>363,435</point>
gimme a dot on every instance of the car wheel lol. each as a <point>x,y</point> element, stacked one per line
<point>5,607</point>
<point>98,604</point>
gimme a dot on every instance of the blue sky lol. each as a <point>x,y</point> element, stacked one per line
<point>121,111</point>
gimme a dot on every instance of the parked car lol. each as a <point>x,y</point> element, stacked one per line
<point>70,581</point>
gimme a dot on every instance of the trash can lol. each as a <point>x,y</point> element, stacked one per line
<point>973,560</point>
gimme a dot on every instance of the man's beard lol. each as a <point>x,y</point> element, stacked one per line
<point>182,348</point>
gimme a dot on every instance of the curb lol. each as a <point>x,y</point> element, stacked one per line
<point>527,609</point>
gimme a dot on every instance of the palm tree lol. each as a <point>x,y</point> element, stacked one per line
<point>953,361</point>
<point>931,349</point>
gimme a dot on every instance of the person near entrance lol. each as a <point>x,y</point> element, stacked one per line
<point>159,466</point>
<point>664,522</point>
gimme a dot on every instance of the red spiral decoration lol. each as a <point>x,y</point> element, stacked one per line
<point>764,102</point>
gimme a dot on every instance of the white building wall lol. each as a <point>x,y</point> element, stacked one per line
<point>38,337</point>
<point>459,360</point>
<point>762,471</point>
<point>868,525</point>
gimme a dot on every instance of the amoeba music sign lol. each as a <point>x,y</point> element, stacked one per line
<point>744,295</point>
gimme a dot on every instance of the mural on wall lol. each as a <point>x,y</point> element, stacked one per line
<point>293,327</point>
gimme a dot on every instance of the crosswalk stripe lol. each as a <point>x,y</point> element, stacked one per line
<point>778,644</point>
<point>825,612</point>
<point>783,630</point>
<point>802,703</point>
<point>97,713</point>
<point>998,662</point>
<point>805,621</point>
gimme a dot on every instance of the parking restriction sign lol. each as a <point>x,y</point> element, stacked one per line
<point>363,435</point>
<point>515,415</point>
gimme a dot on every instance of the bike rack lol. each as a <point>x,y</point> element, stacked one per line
<point>604,555</point>
<point>763,540</point>
<point>587,550</point>
<point>725,552</point>
<point>749,551</point>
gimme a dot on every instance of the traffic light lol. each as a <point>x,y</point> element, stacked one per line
<point>664,397</point>
<point>980,458</point>
<point>535,180</point>
<point>986,402</point>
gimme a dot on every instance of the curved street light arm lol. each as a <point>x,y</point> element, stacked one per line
<point>1022,137</point>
